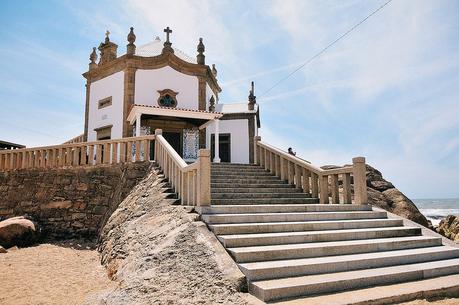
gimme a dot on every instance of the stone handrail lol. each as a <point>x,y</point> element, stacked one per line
<point>190,182</point>
<point>124,150</point>
<point>77,139</point>
<point>314,180</point>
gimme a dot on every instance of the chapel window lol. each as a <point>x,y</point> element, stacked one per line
<point>167,98</point>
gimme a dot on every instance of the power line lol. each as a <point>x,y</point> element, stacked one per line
<point>327,47</point>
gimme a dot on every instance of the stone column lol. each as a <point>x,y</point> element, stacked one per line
<point>360,180</point>
<point>137,124</point>
<point>203,177</point>
<point>217,142</point>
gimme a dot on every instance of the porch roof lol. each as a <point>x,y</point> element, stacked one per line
<point>171,112</point>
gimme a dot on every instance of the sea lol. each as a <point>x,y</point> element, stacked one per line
<point>437,209</point>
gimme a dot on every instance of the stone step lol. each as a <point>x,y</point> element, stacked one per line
<point>305,250</point>
<point>243,178</point>
<point>276,189</point>
<point>266,184</point>
<point>270,290</point>
<point>242,175</point>
<point>319,265</point>
<point>243,170</point>
<point>234,165</point>
<point>275,227</point>
<point>282,208</point>
<point>264,201</point>
<point>286,217</point>
<point>247,240</point>
<point>249,196</point>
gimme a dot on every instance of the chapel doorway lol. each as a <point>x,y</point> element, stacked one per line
<point>174,139</point>
<point>224,147</point>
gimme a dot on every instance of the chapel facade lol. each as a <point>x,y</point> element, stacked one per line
<point>158,86</point>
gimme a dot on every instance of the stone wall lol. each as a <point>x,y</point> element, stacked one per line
<point>69,202</point>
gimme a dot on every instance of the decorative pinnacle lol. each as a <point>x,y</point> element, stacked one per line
<point>93,56</point>
<point>214,70</point>
<point>201,47</point>
<point>252,97</point>
<point>131,36</point>
<point>107,38</point>
<point>201,59</point>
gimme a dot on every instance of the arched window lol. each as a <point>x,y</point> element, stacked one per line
<point>167,98</point>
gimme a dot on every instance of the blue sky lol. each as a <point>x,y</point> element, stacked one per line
<point>388,91</point>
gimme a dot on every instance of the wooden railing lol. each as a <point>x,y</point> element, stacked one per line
<point>124,150</point>
<point>314,180</point>
<point>190,182</point>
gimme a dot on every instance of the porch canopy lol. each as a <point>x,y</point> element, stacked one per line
<point>200,118</point>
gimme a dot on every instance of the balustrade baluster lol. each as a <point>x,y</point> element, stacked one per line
<point>334,189</point>
<point>298,173</point>
<point>347,198</point>
<point>324,189</point>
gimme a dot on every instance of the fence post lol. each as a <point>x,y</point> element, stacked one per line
<point>203,177</point>
<point>360,180</point>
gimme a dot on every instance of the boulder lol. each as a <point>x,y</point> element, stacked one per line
<point>17,231</point>
<point>449,227</point>
<point>383,194</point>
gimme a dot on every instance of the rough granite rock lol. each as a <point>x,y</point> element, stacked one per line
<point>383,194</point>
<point>158,255</point>
<point>449,227</point>
<point>18,231</point>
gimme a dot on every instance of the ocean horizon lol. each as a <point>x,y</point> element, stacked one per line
<point>437,209</point>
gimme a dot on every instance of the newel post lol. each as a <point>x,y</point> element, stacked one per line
<point>204,177</point>
<point>158,132</point>
<point>360,180</point>
<point>256,152</point>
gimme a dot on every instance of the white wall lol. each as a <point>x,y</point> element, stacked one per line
<point>239,130</point>
<point>113,86</point>
<point>148,82</point>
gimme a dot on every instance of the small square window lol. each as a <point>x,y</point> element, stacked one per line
<point>105,102</point>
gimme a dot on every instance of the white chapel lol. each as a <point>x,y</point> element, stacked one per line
<point>158,86</point>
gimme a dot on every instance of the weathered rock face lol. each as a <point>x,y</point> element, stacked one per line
<point>68,202</point>
<point>383,194</point>
<point>18,231</point>
<point>160,254</point>
<point>449,227</point>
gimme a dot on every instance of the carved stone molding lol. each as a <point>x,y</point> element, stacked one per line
<point>167,98</point>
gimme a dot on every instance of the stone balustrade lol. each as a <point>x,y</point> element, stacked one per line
<point>124,150</point>
<point>314,180</point>
<point>191,182</point>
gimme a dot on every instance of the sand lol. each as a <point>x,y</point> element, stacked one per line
<point>52,274</point>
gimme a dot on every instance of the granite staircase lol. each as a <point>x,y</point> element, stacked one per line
<point>290,246</point>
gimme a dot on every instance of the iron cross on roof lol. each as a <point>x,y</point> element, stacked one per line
<point>167,31</point>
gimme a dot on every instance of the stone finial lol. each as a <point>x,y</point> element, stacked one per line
<point>214,70</point>
<point>107,50</point>
<point>107,38</point>
<point>131,39</point>
<point>252,97</point>
<point>212,103</point>
<point>167,44</point>
<point>200,57</point>
<point>93,58</point>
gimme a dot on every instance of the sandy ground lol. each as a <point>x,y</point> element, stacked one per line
<point>439,302</point>
<point>63,273</point>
